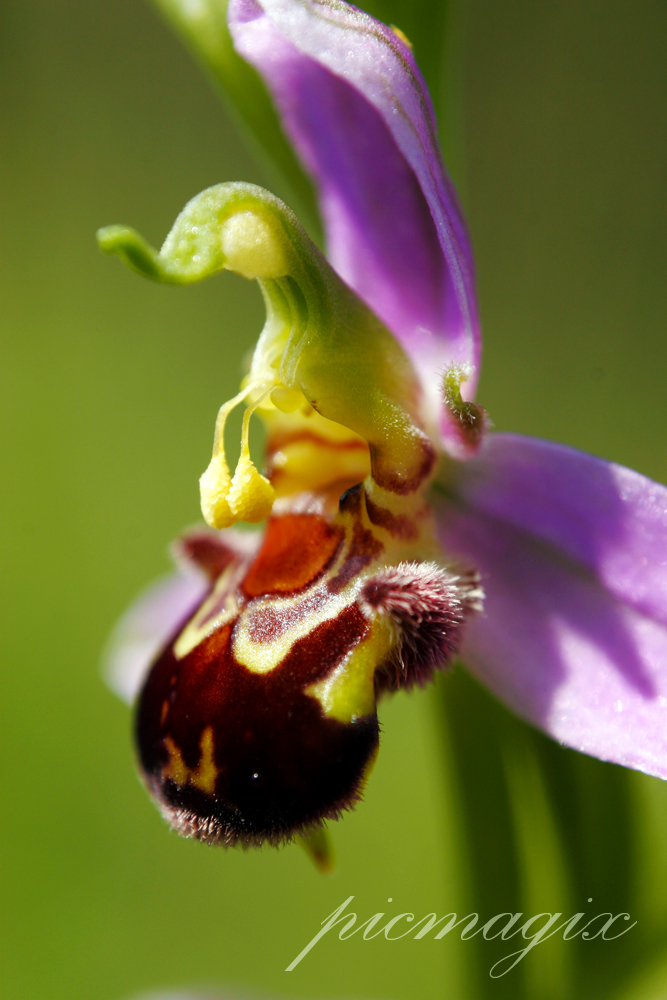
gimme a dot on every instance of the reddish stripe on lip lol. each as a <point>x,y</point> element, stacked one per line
<point>296,548</point>
<point>397,525</point>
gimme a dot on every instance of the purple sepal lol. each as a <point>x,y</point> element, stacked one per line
<point>146,627</point>
<point>200,556</point>
<point>572,552</point>
<point>354,104</point>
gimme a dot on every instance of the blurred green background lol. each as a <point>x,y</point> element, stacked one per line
<point>110,387</point>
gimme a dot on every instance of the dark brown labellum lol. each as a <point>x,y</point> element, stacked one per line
<point>234,755</point>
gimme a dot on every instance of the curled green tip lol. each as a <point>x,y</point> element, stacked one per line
<point>470,418</point>
<point>133,249</point>
<point>318,846</point>
<point>236,221</point>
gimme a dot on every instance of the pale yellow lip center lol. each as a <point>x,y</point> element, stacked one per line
<point>247,495</point>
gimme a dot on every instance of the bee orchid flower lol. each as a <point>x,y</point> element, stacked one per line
<point>399,530</point>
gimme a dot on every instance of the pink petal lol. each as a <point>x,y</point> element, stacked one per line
<point>572,552</point>
<point>157,614</point>
<point>357,110</point>
<point>610,519</point>
<point>146,627</point>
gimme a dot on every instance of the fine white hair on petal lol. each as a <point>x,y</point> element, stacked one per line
<point>145,628</point>
<point>429,606</point>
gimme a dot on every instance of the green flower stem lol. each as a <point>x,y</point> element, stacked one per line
<point>546,829</point>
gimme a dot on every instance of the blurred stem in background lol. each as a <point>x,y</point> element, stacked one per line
<point>543,829</point>
<point>436,31</point>
<point>203,27</point>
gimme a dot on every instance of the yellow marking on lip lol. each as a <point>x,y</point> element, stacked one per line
<point>415,509</point>
<point>203,776</point>
<point>310,465</point>
<point>206,772</point>
<point>177,770</point>
<point>165,711</point>
<point>263,657</point>
<point>348,693</point>
<point>200,625</point>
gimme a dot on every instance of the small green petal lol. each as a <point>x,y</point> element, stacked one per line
<point>318,845</point>
<point>132,248</point>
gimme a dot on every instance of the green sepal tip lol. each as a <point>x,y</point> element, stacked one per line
<point>139,255</point>
<point>318,845</point>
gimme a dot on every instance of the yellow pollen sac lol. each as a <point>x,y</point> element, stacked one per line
<point>251,495</point>
<point>248,496</point>
<point>214,487</point>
